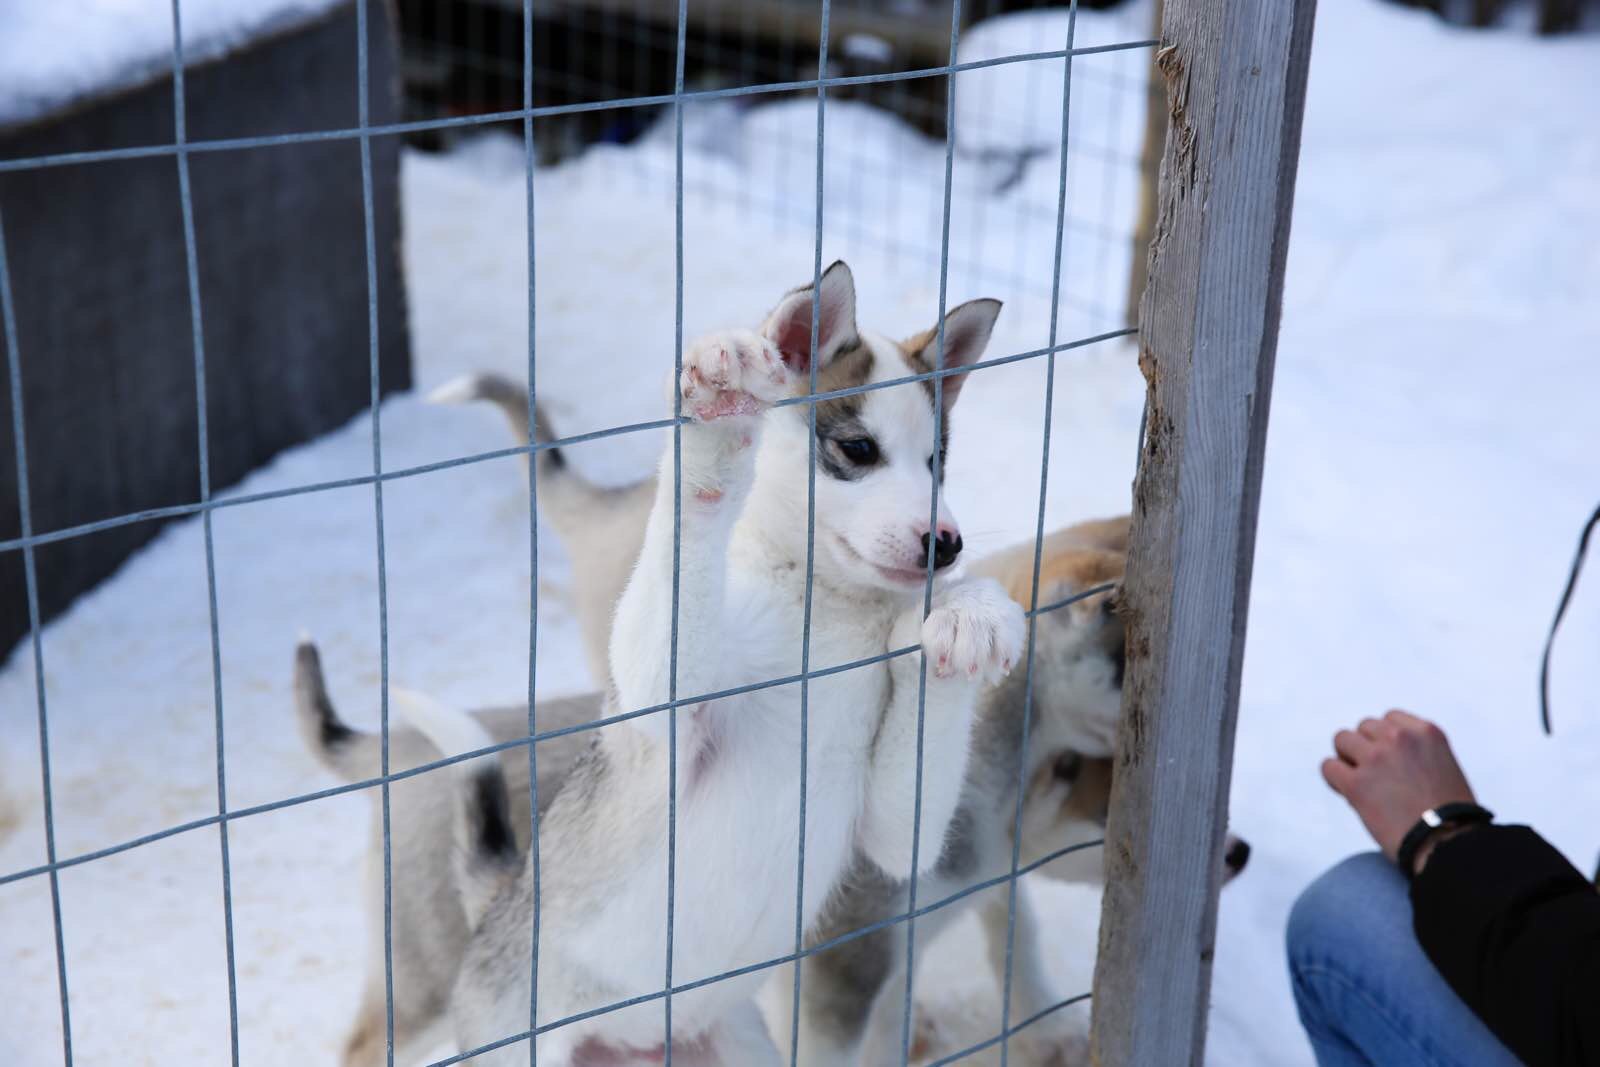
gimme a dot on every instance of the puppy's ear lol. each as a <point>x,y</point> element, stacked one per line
<point>966,335</point>
<point>789,325</point>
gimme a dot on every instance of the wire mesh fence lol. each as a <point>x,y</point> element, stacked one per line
<point>893,58</point>
<point>648,68</point>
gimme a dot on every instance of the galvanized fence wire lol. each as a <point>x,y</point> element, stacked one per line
<point>535,866</point>
<point>36,640</point>
<point>933,526</point>
<point>1038,545</point>
<point>811,541</point>
<point>29,540</point>
<point>197,332</point>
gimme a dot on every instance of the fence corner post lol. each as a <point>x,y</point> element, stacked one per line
<point>1235,73</point>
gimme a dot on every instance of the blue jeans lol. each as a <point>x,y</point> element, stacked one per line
<point>1368,996</point>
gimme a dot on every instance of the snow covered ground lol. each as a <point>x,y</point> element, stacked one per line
<point>1432,453</point>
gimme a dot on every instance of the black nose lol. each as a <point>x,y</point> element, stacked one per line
<point>1237,856</point>
<point>945,550</point>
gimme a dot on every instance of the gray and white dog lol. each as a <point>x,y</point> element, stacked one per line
<point>626,897</point>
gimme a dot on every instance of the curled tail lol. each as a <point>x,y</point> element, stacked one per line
<point>601,527</point>
<point>347,752</point>
<point>486,845</point>
<point>512,400</point>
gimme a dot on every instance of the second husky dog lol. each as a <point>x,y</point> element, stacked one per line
<point>629,900</point>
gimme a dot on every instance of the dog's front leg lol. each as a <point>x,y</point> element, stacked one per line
<point>728,380</point>
<point>971,638</point>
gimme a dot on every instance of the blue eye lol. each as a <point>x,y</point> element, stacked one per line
<point>859,450</point>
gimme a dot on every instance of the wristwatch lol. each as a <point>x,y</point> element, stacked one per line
<point>1458,814</point>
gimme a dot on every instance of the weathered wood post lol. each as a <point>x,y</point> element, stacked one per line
<point>1235,74</point>
<point>1155,133</point>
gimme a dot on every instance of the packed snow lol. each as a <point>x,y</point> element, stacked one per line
<point>1430,459</point>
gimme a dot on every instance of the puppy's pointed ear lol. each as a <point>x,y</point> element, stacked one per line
<point>789,325</point>
<point>966,335</point>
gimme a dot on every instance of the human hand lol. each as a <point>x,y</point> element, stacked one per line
<point>1393,769</point>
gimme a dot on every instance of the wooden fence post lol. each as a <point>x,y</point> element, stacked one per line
<point>1155,132</point>
<point>1235,73</point>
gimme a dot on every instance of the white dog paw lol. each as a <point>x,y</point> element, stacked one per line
<point>974,632</point>
<point>1067,1047</point>
<point>731,373</point>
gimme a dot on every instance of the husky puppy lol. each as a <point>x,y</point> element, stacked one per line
<point>730,768</point>
<point>852,995</point>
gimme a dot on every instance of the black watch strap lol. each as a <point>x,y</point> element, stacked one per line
<point>1458,814</point>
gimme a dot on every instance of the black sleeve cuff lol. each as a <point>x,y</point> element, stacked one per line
<point>1511,925</point>
<point>1472,879</point>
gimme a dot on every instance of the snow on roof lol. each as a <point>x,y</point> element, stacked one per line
<point>55,53</point>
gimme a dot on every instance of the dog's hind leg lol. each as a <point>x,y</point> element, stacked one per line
<point>739,1040</point>
<point>367,1045</point>
<point>1057,1037</point>
<point>838,991</point>
<point>840,985</point>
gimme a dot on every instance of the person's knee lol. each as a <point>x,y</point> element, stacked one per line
<point>1351,903</point>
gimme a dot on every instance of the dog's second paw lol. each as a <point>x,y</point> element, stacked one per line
<point>1062,1042</point>
<point>974,632</point>
<point>1071,1051</point>
<point>731,373</point>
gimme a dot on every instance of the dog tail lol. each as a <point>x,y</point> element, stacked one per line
<point>512,400</point>
<point>349,753</point>
<point>561,489</point>
<point>486,845</point>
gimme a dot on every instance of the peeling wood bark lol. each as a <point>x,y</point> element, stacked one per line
<point>1235,74</point>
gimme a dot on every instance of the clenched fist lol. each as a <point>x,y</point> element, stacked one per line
<point>1393,769</point>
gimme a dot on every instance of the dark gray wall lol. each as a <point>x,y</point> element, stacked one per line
<point>100,284</point>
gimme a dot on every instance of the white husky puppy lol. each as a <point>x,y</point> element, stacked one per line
<point>732,769</point>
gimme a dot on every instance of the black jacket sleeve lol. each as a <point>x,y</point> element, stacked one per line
<point>1515,930</point>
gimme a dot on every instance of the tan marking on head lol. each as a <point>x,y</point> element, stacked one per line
<point>851,368</point>
<point>1062,573</point>
<point>911,350</point>
<point>1091,792</point>
<point>1074,558</point>
<point>1108,534</point>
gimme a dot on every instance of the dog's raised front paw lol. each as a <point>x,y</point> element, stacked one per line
<point>975,632</point>
<point>731,373</point>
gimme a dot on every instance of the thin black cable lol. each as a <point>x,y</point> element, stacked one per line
<point>1561,610</point>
